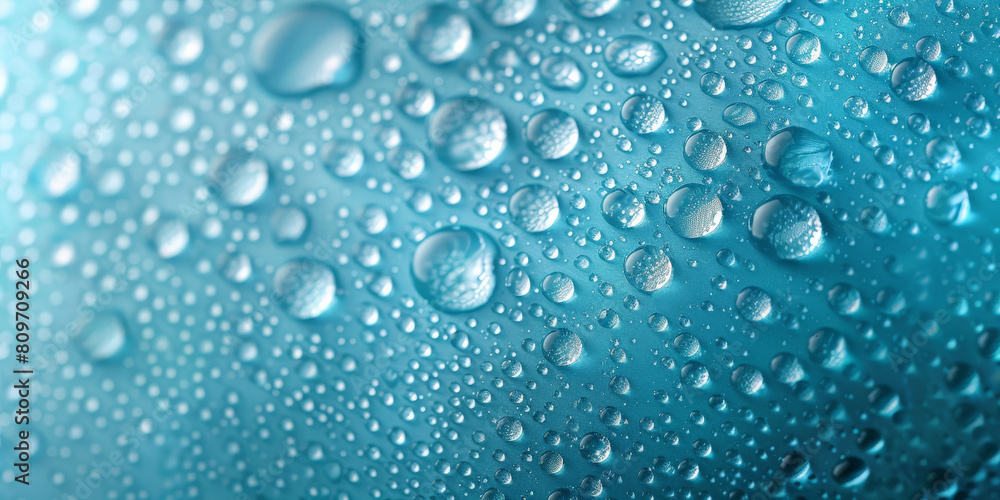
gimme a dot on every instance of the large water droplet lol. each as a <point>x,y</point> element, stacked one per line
<point>304,288</point>
<point>648,268</point>
<point>440,34</point>
<point>562,72</point>
<point>592,8</point>
<point>595,448</point>
<point>508,12</point>
<point>913,79</point>
<point>632,55</point>
<point>552,134</point>
<point>534,208</point>
<point>240,179</point>
<point>171,237</point>
<point>643,114</point>
<point>623,209</point>
<point>468,133</point>
<point>803,48</point>
<point>453,269</point>
<point>57,170</point>
<point>800,156</point>
<point>738,13</point>
<point>693,211</point>
<point>787,226</point>
<point>306,48</point>
<point>705,150</point>
<point>562,347</point>
<point>947,203</point>
<point>103,337</point>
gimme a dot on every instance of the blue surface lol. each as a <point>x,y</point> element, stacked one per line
<point>473,250</point>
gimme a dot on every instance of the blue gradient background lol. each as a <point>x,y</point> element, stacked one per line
<point>164,376</point>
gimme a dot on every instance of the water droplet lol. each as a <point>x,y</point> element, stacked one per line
<point>453,269</point>
<point>623,209</point>
<point>505,13</point>
<point>947,203</point>
<point>592,8</point>
<point>509,429</point>
<point>705,150</point>
<point>632,55</point>
<point>562,347</point>
<point>595,448</point>
<point>851,472</point>
<point>343,158</point>
<point>740,115</point>
<point>304,288</point>
<point>738,13</point>
<point>182,44</point>
<point>171,238</point>
<point>57,171</point>
<point>440,34</point>
<point>468,133</point>
<point>693,211</point>
<point>562,72</point>
<point>787,226</point>
<point>306,48</point>
<point>240,179</point>
<point>552,134</point>
<point>103,337</point>
<point>648,268</point>
<point>754,304</point>
<point>643,114</point>
<point>747,379</point>
<point>800,156</point>
<point>534,208</point>
<point>803,48</point>
<point>558,287</point>
<point>913,79</point>
<point>874,60</point>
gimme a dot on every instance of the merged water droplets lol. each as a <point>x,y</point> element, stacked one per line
<point>306,48</point>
